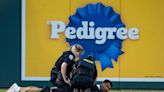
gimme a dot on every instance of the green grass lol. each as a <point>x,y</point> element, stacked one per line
<point>3,90</point>
<point>136,91</point>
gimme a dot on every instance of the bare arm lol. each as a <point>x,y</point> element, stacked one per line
<point>63,70</point>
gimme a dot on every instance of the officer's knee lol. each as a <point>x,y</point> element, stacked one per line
<point>87,90</point>
<point>76,90</point>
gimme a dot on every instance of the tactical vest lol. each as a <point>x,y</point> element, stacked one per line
<point>86,67</point>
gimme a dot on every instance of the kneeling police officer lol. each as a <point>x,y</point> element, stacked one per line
<point>85,75</point>
<point>60,73</point>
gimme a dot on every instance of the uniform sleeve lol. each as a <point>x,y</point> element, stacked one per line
<point>95,73</point>
<point>68,59</point>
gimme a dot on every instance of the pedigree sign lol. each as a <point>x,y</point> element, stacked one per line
<point>96,26</point>
<point>116,36</point>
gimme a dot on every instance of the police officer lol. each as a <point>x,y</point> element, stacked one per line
<point>62,68</point>
<point>85,75</point>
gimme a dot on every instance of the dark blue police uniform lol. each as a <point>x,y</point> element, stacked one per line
<point>85,75</point>
<point>67,57</point>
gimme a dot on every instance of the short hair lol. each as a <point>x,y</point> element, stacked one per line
<point>108,81</point>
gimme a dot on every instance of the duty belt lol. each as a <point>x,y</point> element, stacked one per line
<point>83,72</point>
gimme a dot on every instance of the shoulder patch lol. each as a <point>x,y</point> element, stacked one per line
<point>71,57</point>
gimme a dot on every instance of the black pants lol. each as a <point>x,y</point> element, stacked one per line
<point>95,89</point>
<point>62,87</point>
<point>54,75</point>
<point>82,82</point>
